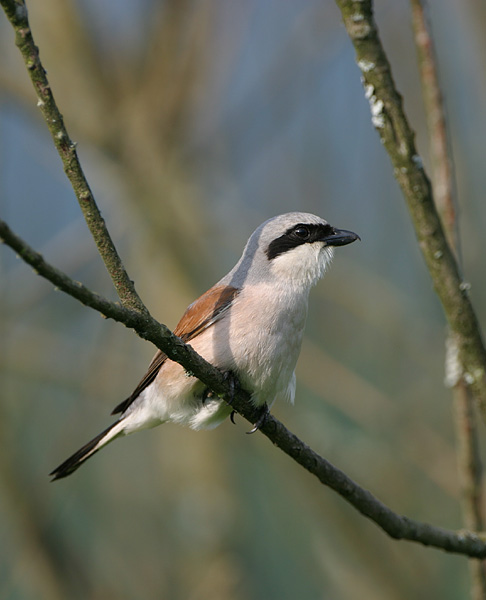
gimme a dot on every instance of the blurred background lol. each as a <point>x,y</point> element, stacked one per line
<point>196,120</point>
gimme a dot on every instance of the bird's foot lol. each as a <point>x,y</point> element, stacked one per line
<point>262,417</point>
<point>230,377</point>
<point>233,383</point>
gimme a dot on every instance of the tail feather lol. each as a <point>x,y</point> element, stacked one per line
<point>78,458</point>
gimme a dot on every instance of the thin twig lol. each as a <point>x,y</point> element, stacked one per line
<point>396,526</point>
<point>16,12</point>
<point>469,461</point>
<point>396,135</point>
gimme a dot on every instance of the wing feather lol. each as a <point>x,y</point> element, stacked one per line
<point>200,315</point>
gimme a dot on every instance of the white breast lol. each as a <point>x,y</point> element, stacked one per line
<point>266,332</point>
<point>259,339</point>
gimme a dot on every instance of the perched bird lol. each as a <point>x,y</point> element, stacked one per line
<point>249,324</point>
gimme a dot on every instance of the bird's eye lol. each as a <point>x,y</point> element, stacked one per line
<point>302,232</point>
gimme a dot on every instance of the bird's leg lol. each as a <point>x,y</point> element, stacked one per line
<point>233,383</point>
<point>229,377</point>
<point>262,417</point>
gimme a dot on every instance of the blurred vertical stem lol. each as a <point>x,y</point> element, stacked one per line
<point>469,463</point>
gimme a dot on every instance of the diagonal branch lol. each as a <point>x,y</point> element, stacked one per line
<point>142,322</point>
<point>396,526</point>
<point>395,133</point>
<point>16,11</point>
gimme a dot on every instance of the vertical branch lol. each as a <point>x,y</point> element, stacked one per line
<point>16,12</point>
<point>470,473</point>
<point>391,123</point>
<point>469,462</point>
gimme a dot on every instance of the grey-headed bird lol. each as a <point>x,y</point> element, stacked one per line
<point>249,324</point>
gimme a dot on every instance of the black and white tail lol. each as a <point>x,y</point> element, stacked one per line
<point>78,458</point>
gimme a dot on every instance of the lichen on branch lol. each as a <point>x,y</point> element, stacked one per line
<point>391,123</point>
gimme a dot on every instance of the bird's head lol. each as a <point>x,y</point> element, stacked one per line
<point>293,248</point>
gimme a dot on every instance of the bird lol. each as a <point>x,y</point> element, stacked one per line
<point>250,325</point>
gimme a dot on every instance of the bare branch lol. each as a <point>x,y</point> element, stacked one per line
<point>396,526</point>
<point>392,125</point>
<point>142,322</point>
<point>16,12</point>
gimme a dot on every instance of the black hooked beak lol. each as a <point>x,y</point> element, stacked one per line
<point>340,237</point>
